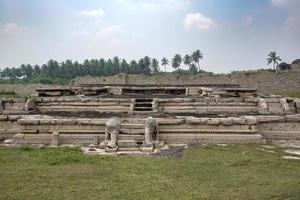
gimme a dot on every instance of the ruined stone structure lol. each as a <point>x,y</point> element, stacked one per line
<point>145,118</point>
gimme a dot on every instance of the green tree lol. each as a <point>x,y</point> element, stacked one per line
<point>273,58</point>
<point>187,60</point>
<point>176,61</point>
<point>164,62</point>
<point>196,57</point>
<point>154,66</point>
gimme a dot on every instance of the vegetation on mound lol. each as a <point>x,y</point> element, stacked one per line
<point>289,93</point>
<point>212,172</point>
<point>8,94</point>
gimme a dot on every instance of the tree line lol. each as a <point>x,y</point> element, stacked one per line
<point>55,72</point>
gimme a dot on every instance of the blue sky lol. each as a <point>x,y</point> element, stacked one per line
<point>232,34</point>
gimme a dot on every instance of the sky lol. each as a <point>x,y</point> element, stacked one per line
<point>232,34</point>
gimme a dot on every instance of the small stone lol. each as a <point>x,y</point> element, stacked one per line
<point>222,145</point>
<point>267,146</point>
<point>290,157</point>
<point>295,152</point>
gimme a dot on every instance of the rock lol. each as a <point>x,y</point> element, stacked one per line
<point>290,158</point>
<point>292,151</point>
<point>287,143</point>
<point>297,103</point>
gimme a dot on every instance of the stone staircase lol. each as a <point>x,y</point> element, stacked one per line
<point>131,137</point>
<point>144,105</point>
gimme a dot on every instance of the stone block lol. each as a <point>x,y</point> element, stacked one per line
<point>293,118</point>
<point>55,140</point>
<point>147,149</point>
<point>3,117</point>
<point>193,120</point>
<point>271,119</point>
<point>226,121</point>
<point>213,121</point>
<point>251,120</point>
<point>297,103</point>
<point>111,150</point>
<point>14,117</point>
<point>239,120</point>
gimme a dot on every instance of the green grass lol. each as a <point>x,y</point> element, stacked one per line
<point>290,93</point>
<point>8,94</point>
<point>212,172</point>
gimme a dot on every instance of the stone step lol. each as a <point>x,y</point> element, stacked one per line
<point>128,144</point>
<point>129,149</point>
<point>207,131</point>
<point>131,137</point>
<point>282,135</point>
<point>143,109</point>
<point>212,138</point>
<point>133,126</point>
<point>133,131</point>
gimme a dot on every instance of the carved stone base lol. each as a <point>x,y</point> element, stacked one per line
<point>147,149</point>
<point>111,150</point>
<point>147,145</point>
<point>103,145</point>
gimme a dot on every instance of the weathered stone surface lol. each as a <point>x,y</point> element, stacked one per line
<point>239,120</point>
<point>30,104</point>
<point>263,107</point>
<point>293,118</point>
<point>251,120</point>
<point>3,117</point>
<point>226,121</point>
<point>193,120</point>
<point>151,132</point>
<point>271,119</point>
<point>213,121</point>
<point>55,139</point>
<point>297,103</point>
<point>285,105</point>
<point>111,133</point>
<point>28,121</point>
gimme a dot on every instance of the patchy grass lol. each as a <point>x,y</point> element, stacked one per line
<point>8,94</point>
<point>212,172</point>
<point>290,93</point>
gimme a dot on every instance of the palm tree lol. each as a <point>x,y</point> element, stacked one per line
<point>154,66</point>
<point>187,60</point>
<point>164,62</point>
<point>273,58</point>
<point>196,57</point>
<point>176,61</point>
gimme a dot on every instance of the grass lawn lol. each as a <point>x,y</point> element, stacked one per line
<point>211,172</point>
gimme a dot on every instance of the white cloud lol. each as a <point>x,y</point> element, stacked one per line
<point>292,23</point>
<point>279,2</point>
<point>92,13</point>
<point>157,5</point>
<point>10,27</point>
<point>109,31</point>
<point>199,21</point>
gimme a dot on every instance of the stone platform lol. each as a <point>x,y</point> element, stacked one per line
<point>181,115</point>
